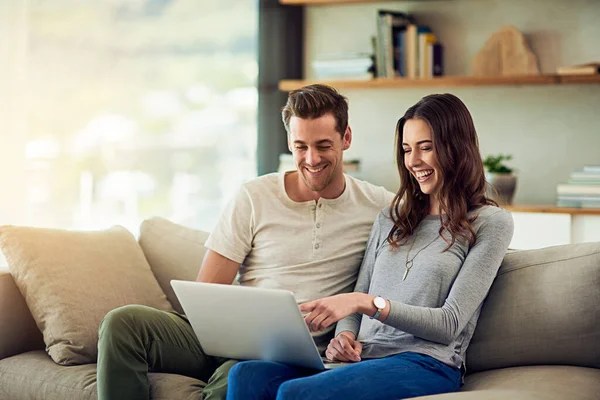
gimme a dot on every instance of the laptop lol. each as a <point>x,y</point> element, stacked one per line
<point>246,323</point>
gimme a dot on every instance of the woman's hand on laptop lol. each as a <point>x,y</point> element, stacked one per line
<point>329,310</point>
<point>344,347</point>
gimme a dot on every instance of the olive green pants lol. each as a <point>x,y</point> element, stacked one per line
<point>134,340</point>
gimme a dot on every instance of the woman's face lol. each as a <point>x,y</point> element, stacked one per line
<point>419,155</point>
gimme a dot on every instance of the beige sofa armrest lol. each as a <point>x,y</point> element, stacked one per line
<point>18,332</point>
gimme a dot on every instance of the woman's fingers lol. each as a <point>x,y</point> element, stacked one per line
<point>334,355</point>
<point>344,349</point>
<point>349,349</point>
<point>357,347</point>
<point>338,353</point>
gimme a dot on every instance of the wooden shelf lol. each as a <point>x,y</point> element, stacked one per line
<point>326,2</point>
<point>444,81</point>
<point>551,209</point>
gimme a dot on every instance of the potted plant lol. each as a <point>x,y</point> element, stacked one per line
<point>500,178</point>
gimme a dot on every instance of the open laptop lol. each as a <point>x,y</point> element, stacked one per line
<point>246,323</point>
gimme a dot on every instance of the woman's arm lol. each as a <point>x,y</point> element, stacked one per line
<point>444,324</point>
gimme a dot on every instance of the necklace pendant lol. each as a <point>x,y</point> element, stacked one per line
<point>407,266</point>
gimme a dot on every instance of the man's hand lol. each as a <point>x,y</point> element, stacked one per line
<point>329,310</point>
<point>344,347</point>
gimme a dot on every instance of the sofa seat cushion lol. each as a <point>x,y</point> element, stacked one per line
<point>548,382</point>
<point>34,376</point>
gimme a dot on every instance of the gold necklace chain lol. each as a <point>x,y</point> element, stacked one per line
<point>409,263</point>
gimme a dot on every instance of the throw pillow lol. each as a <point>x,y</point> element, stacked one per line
<point>71,279</point>
<point>173,252</point>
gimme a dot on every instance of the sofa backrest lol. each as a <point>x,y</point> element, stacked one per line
<point>173,251</point>
<point>543,308</point>
<point>18,332</point>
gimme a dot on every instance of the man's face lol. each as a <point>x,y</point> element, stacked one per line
<point>318,150</point>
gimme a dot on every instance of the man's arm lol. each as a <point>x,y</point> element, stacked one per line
<point>217,269</point>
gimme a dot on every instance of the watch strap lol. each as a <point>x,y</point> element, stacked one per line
<point>379,310</point>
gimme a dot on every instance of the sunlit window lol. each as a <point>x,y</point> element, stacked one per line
<point>138,108</point>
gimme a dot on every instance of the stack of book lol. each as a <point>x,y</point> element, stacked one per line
<point>405,48</point>
<point>346,66</point>
<point>582,190</point>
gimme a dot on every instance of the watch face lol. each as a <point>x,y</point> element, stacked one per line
<point>379,302</point>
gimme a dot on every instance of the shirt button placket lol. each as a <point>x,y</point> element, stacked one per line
<point>317,231</point>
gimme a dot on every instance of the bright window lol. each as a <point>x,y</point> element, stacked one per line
<point>135,109</point>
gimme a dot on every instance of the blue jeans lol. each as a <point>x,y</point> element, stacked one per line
<point>395,377</point>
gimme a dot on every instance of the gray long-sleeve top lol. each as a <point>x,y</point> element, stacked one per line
<point>435,310</point>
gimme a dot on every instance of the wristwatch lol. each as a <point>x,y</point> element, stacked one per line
<point>380,303</point>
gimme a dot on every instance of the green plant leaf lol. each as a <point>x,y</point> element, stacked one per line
<point>494,164</point>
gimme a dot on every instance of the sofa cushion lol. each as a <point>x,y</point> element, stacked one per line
<point>541,309</point>
<point>70,280</point>
<point>18,332</point>
<point>529,383</point>
<point>33,376</point>
<point>489,394</point>
<point>547,381</point>
<point>173,252</point>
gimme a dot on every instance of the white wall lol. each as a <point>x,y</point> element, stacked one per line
<point>550,130</point>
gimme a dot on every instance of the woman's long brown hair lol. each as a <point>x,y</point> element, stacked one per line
<point>456,149</point>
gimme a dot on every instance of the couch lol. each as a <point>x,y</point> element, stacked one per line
<point>538,335</point>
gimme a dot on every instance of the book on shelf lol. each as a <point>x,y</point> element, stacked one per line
<point>425,39</point>
<point>585,175</point>
<point>417,38</point>
<point>346,66</point>
<point>435,60</point>
<point>592,68</point>
<point>577,203</point>
<point>591,168</point>
<point>586,178</point>
<point>580,189</point>
<point>584,181</point>
<point>582,197</point>
<point>404,48</point>
<point>364,76</point>
<point>389,26</point>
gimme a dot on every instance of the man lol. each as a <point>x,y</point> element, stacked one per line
<point>303,230</point>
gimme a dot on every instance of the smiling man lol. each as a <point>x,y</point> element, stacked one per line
<point>317,139</point>
<point>304,231</point>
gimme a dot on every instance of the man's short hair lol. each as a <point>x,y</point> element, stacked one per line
<point>314,101</point>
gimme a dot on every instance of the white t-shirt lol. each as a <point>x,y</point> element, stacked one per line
<point>313,249</point>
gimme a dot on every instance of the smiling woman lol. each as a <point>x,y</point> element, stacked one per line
<point>440,167</point>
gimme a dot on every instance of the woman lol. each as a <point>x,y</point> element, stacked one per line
<point>430,261</point>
